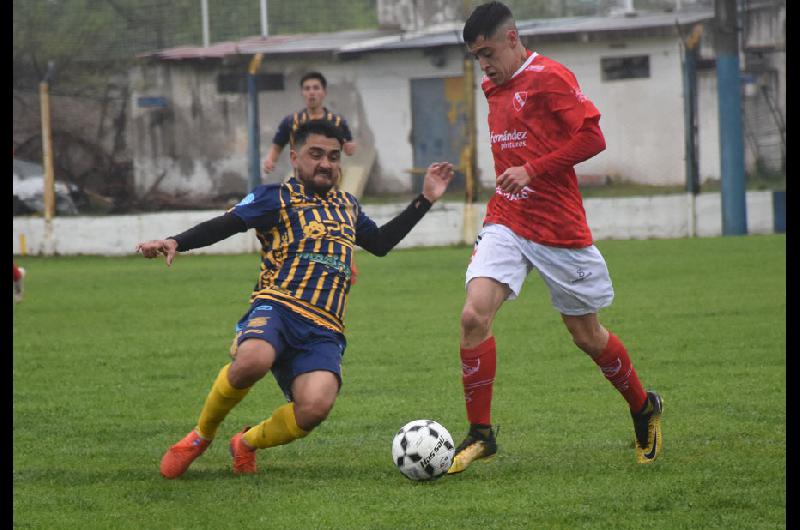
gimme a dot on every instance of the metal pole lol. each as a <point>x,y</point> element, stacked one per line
<point>469,156</point>
<point>47,152</point>
<point>690,122</point>
<point>690,108</point>
<point>206,32</point>
<point>264,26</point>
<point>254,129</point>
<point>47,161</point>
<point>470,194</point>
<point>734,207</point>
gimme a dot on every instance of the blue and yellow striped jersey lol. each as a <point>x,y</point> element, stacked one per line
<point>307,246</point>
<point>289,124</point>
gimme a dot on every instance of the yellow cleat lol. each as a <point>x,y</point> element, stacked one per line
<point>480,443</point>
<point>647,425</point>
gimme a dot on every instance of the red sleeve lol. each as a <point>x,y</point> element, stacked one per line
<point>579,117</point>
<point>584,144</point>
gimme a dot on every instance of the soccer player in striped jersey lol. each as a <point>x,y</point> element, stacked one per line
<point>294,324</point>
<point>314,89</point>
<point>541,125</point>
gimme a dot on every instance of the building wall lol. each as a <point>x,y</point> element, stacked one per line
<point>199,144</point>
<point>642,119</point>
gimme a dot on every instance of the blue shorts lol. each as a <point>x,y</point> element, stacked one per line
<point>300,345</point>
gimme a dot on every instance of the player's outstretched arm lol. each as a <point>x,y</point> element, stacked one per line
<point>205,234</point>
<point>380,241</point>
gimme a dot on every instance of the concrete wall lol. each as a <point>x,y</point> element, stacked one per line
<point>667,216</point>
<point>642,119</point>
<point>200,142</point>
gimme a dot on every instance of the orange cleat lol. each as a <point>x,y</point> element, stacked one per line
<point>180,456</point>
<point>244,458</point>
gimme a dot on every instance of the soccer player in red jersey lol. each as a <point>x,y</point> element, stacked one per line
<point>540,126</point>
<point>19,289</point>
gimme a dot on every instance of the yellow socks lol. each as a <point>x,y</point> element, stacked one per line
<point>281,428</point>
<point>222,398</point>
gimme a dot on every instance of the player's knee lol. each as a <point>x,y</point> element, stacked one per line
<point>253,360</point>
<point>310,413</point>
<point>589,343</point>
<point>474,322</point>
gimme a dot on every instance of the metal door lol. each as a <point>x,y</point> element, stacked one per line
<point>438,126</point>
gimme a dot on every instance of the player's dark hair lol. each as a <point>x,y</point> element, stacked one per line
<point>314,75</point>
<point>321,127</point>
<point>485,20</point>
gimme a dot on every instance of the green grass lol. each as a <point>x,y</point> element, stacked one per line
<point>113,357</point>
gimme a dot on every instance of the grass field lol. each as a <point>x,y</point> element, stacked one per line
<point>113,357</point>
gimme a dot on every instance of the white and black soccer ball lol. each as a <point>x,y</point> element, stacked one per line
<point>423,450</point>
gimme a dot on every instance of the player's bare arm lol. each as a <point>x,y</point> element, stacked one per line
<point>272,158</point>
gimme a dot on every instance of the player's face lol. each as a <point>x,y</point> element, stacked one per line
<point>313,93</point>
<point>316,163</point>
<point>498,56</point>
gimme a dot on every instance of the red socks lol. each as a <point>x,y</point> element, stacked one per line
<point>617,368</point>
<point>478,368</point>
<point>479,365</point>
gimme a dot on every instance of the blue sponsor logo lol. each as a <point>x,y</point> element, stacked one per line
<point>263,308</point>
<point>247,200</point>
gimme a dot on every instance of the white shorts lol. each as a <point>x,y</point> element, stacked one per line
<point>577,277</point>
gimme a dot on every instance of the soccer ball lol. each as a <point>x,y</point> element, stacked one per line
<point>423,450</point>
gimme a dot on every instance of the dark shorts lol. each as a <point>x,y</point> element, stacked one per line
<point>300,345</point>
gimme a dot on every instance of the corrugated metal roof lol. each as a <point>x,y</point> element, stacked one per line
<point>278,44</point>
<point>612,23</point>
<point>360,41</point>
<point>539,27</point>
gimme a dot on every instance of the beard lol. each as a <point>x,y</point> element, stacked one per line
<point>320,183</point>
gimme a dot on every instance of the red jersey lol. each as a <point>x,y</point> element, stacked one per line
<point>540,119</point>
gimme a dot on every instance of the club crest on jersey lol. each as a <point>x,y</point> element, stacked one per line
<point>519,100</point>
<point>314,230</point>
